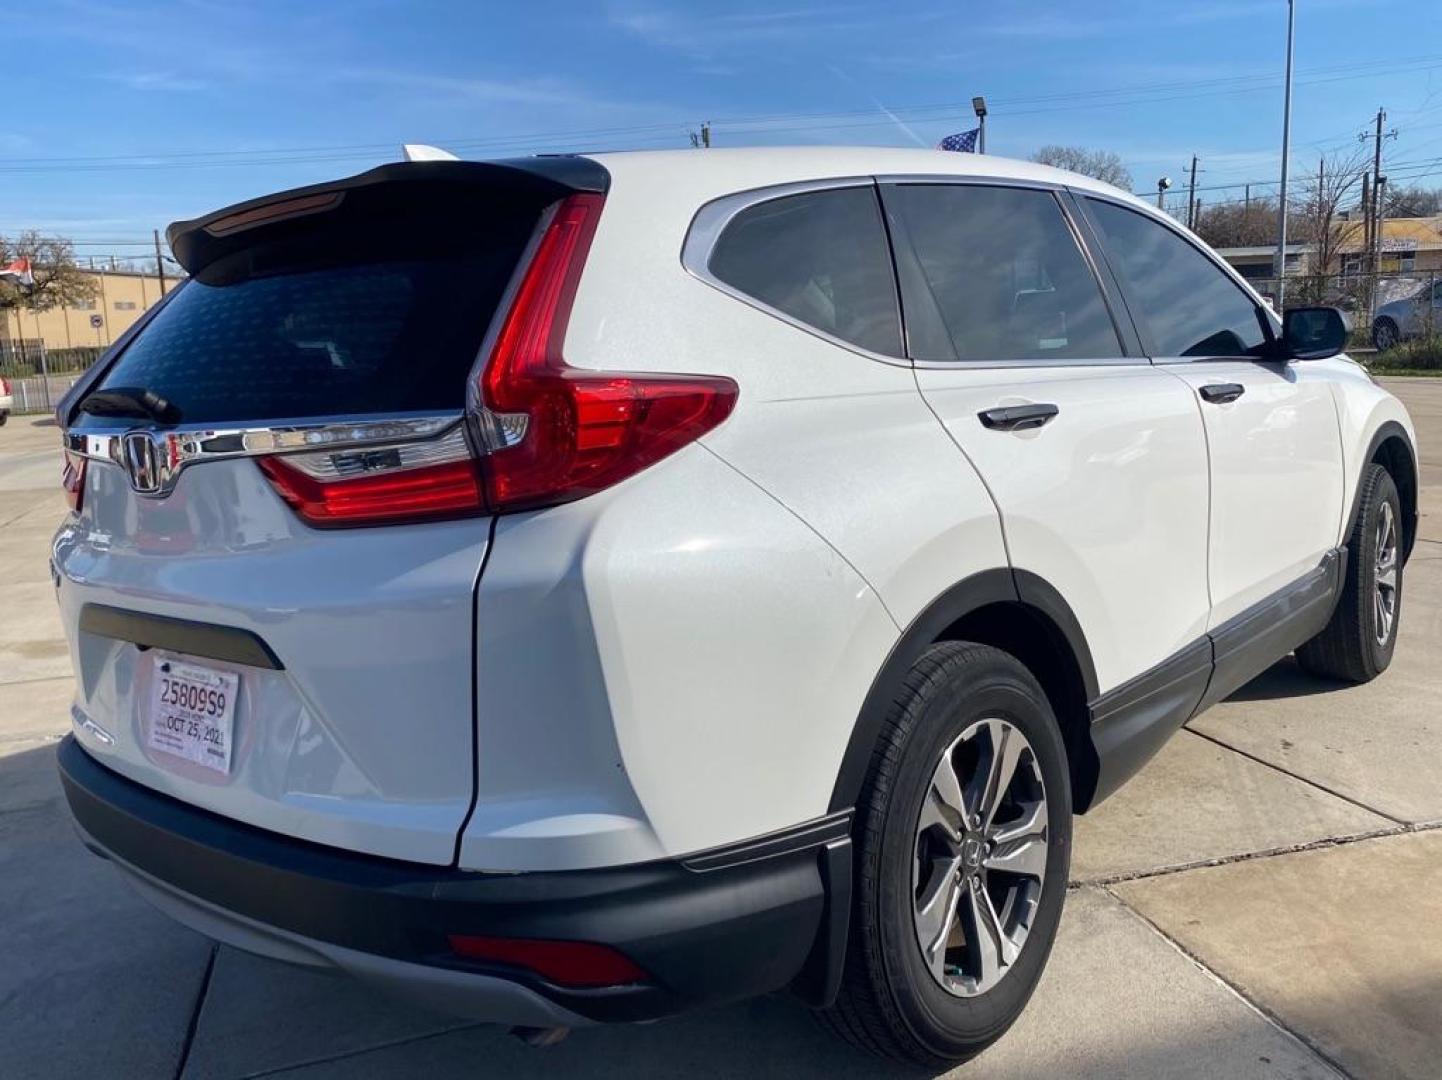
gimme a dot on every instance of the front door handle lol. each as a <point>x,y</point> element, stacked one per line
<point>1017,417</point>
<point>1221,393</point>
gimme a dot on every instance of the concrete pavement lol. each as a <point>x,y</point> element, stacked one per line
<point>1261,901</point>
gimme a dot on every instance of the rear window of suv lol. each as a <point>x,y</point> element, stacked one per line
<point>371,317</point>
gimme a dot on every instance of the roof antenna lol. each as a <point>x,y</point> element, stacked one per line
<point>422,152</point>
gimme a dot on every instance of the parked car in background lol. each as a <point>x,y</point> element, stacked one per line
<point>585,589</point>
<point>1415,316</point>
<point>7,400</point>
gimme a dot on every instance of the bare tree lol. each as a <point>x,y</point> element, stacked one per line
<point>1414,201</point>
<point>1239,223</point>
<point>59,281</point>
<point>1320,221</point>
<point>1101,164</point>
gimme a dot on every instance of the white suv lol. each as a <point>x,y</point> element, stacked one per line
<point>588,588</point>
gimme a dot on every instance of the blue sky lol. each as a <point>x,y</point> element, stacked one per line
<point>124,116</point>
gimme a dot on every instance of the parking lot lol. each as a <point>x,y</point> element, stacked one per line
<point>1265,899</point>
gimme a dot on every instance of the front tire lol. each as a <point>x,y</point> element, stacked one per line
<point>964,842</point>
<point>1385,334</point>
<point>1357,644</point>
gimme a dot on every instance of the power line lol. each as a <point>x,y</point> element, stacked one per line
<point>734,126</point>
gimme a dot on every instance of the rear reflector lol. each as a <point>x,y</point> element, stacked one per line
<point>73,480</point>
<point>431,493</point>
<point>567,432</point>
<point>565,963</point>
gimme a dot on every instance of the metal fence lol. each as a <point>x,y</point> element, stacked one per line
<point>38,394</point>
<point>39,376</point>
<point>1361,296</point>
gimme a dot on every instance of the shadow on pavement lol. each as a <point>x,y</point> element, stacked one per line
<point>1285,679</point>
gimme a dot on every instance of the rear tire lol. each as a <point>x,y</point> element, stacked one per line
<point>993,851</point>
<point>1357,644</point>
<point>1385,334</point>
<point>4,416</point>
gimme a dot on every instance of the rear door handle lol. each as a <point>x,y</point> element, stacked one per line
<point>1221,393</point>
<point>1017,417</point>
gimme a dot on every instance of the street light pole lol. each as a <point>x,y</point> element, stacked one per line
<point>978,105</point>
<point>1279,267</point>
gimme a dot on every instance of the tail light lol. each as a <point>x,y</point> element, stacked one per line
<point>566,963</point>
<point>423,481</point>
<point>73,478</point>
<point>550,433</point>
<point>557,433</point>
<point>4,386</point>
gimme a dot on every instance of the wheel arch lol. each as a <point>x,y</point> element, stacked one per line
<point>1391,447</point>
<point>1012,610</point>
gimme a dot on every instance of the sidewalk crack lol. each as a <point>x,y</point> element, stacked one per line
<point>1295,776</point>
<point>1260,1010</point>
<point>195,1013</point>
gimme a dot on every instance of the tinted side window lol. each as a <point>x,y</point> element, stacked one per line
<point>820,257</point>
<point>1191,307</point>
<point>1008,278</point>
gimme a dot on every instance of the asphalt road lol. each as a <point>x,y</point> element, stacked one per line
<point>1264,900</point>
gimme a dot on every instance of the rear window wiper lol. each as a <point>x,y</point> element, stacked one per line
<point>131,401</point>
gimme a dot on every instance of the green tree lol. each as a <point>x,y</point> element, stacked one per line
<point>59,281</point>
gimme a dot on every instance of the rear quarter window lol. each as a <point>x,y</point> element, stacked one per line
<point>820,257</point>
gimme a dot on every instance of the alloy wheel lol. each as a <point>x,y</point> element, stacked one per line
<point>1384,594</point>
<point>980,857</point>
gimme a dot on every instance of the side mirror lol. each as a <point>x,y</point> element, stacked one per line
<point>1313,333</point>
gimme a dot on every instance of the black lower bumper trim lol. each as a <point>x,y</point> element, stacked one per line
<point>704,937</point>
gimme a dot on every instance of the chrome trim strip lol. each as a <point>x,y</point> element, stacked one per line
<point>969,179</point>
<point>338,463</point>
<point>154,458</point>
<point>713,217</point>
<point>1039,362</point>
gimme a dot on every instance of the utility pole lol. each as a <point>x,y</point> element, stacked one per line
<point>1366,215</point>
<point>1279,266</point>
<point>159,261</point>
<point>1372,257</point>
<point>1192,196</point>
<point>702,140</point>
<point>1379,208</point>
<point>1247,204</point>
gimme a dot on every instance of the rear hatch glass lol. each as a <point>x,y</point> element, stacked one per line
<point>341,317</point>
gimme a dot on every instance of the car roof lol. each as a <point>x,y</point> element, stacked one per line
<point>716,171</point>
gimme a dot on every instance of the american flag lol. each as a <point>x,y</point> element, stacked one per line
<point>962,141</point>
<point>20,271</point>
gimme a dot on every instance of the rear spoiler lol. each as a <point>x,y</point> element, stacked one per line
<point>200,241</point>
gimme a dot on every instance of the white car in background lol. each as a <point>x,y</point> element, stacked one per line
<point>1413,316</point>
<point>586,589</point>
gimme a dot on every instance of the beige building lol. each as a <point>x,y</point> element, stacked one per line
<point>121,297</point>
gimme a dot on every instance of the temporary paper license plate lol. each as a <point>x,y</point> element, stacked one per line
<point>192,713</point>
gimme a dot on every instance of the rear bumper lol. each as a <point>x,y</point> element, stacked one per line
<point>715,928</point>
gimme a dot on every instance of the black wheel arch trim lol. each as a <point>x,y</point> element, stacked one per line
<point>1406,485</point>
<point>1000,585</point>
